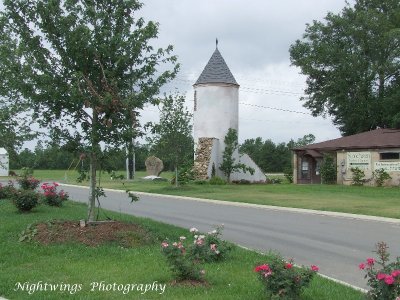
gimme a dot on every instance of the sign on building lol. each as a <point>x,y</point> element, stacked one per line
<point>388,166</point>
<point>361,160</point>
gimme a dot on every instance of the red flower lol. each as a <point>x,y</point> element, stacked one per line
<point>262,268</point>
<point>389,280</point>
<point>288,265</point>
<point>370,261</point>
<point>314,268</point>
<point>396,273</point>
<point>361,266</point>
<point>380,276</point>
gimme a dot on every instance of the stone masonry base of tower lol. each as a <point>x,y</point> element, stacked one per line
<point>207,155</point>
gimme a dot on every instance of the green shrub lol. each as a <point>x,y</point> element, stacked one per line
<point>185,175</point>
<point>25,200</point>
<point>380,176</point>
<point>358,177</point>
<point>288,173</point>
<point>241,181</point>
<point>282,280</point>
<point>182,265</point>
<point>383,275</point>
<point>28,182</point>
<point>274,181</point>
<point>209,247</point>
<point>8,191</point>
<point>186,257</point>
<point>200,182</point>
<point>216,181</point>
<point>51,196</point>
<point>328,170</point>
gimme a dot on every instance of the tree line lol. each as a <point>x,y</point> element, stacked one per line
<point>269,156</point>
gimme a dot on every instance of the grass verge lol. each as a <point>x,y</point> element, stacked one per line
<point>77,264</point>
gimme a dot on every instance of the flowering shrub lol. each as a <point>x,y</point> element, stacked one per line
<point>51,196</point>
<point>25,200</point>
<point>185,257</point>
<point>383,276</point>
<point>7,191</point>
<point>209,247</point>
<point>28,182</point>
<point>282,280</point>
<point>182,264</point>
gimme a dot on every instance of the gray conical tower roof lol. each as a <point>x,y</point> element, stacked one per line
<point>216,71</point>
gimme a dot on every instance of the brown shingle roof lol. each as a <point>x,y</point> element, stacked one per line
<point>374,139</point>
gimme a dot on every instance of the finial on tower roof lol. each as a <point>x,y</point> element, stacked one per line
<point>216,43</point>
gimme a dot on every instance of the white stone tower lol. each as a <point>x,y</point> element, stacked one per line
<point>216,109</point>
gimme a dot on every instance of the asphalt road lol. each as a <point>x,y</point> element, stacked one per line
<point>336,244</point>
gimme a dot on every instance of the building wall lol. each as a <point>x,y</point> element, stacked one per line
<point>368,160</point>
<point>4,165</point>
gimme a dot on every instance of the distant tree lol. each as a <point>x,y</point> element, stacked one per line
<point>352,63</point>
<point>172,140</point>
<point>271,157</point>
<point>86,65</point>
<point>229,164</point>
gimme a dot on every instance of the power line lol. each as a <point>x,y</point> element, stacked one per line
<point>274,108</point>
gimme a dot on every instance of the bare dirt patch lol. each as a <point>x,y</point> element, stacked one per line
<point>125,235</point>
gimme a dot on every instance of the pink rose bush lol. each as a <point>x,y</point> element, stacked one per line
<point>209,247</point>
<point>51,196</point>
<point>185,256</point>
<point>282,280</point>
<point>383,275</point>
<point>181,262</point>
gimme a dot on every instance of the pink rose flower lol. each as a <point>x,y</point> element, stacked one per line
<point>213,247</point>
<point>389,280</point>
<point>164,244</point>
<point>380,276</point>
<point>370,261</point>
<point>396,273</point>
<point>361,266</point>
<point>267,274</point>
<point>288,265</point>
<point>314,268</point>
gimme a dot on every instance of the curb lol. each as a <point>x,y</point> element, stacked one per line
<point>265,207</point>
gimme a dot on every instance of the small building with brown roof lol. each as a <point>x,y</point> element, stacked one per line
<point>368,151</point>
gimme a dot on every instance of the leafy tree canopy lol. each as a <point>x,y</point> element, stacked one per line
<point>352,64</point>
<point>85,68</point>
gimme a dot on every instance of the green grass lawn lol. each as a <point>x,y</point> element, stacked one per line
<point>31,262</point>
<point>384,201</point>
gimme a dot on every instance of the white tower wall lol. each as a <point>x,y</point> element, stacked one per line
<point>216,110</point>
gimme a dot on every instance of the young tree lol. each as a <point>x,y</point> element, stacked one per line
<point>173,141</point>
<point>352,63</point>
<point>85,68</point>
<point>229,165</point>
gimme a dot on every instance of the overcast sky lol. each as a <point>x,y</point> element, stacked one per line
<point>254,38</point>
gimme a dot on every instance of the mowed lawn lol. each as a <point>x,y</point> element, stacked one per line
<point>383,201</point>
<point>75,264</point>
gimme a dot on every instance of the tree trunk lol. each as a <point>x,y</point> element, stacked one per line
<point>92,191</point>
<point>93,168</point>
